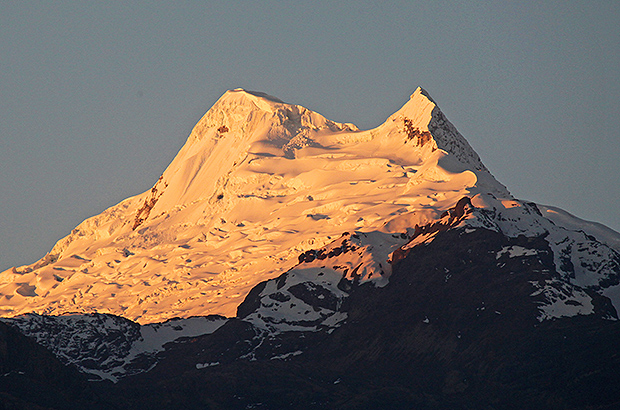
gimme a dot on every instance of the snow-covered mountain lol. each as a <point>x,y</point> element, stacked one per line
<point>257,182</point>
<point>275,230</point>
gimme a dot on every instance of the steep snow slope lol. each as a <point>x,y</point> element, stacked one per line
<point>258,183</point>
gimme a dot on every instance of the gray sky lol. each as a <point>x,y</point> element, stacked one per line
<point>96,98</point>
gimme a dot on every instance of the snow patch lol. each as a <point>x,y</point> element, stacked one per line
<point>286,355</point>
<point>204,365</point>
<point>561,300</point>
<point>516,251</point>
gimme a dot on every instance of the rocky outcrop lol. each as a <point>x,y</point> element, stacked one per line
<point>449,219</point>
<point>149,203</point>
<point>414,133</point>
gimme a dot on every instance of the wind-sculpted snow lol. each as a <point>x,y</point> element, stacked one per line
<point>260,182</point>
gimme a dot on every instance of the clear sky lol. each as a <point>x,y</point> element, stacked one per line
<point>96,98</point>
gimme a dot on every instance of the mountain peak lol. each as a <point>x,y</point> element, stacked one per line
<point>422,119</point>
<point>263,116</point>
<point>423,92</point>
<point>243,100</point>
<point>236,106</point>
<point>257,94</point>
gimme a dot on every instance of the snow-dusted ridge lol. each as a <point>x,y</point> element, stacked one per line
<point>260,182</point>
<point>309,297</point>
<point>109,347</point>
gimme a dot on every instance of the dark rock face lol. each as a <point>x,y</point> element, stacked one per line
<point>457,327</point>
<point>460,325</point>
<point>315,295</point>
<point>108,347</point>
<point>32,378</point>
<point>251,301</point>
<point>463,330</point>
